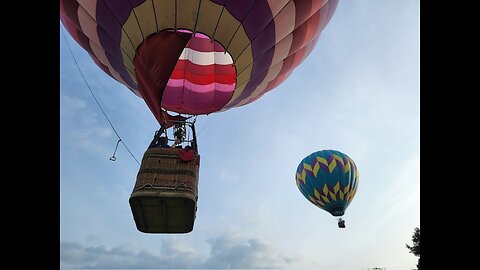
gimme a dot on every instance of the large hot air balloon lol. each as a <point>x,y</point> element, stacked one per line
<point>195,56</point>
<point>329,180</point>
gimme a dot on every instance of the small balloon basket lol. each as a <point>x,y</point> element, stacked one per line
<point>164,199</point>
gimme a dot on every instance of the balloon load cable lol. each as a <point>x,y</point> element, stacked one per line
<point>98,103</point>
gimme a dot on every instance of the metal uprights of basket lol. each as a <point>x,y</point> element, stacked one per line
<point>180,135</point>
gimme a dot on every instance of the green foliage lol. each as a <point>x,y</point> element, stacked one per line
<point>415,249</point>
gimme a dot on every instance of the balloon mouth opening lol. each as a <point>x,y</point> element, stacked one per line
<point>337,212</point>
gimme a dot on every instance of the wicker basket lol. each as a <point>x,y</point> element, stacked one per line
<point>164,199</point>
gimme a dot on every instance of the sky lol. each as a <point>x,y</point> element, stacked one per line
<point>358,93</point>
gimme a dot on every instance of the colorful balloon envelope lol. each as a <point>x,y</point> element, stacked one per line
<point>328,179</point>
<point>197,56</point>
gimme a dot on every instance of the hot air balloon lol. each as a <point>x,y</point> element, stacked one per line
<point>193,57</point>
<point>329,180</point>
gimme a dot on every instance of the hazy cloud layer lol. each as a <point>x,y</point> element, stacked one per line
<point>226,252</point>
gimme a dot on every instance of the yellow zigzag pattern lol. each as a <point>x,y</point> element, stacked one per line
<point>316,167</point>
<point>322,197</point>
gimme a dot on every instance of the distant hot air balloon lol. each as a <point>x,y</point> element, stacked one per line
<point>329,180</point>
<point>195,56</point>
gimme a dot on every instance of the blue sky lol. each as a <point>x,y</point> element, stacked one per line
<point>358,92</point>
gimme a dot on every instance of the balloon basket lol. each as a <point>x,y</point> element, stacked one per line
<point>164,199</point>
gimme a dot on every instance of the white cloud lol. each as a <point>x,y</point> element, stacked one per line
<point>71,103</point>
<point>226,252</point>
<point>229,252</point>
<point>75,255</point>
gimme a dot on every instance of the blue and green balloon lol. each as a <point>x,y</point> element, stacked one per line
<point>329,180</point>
